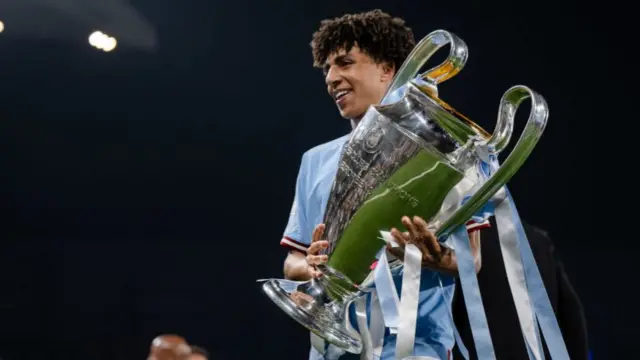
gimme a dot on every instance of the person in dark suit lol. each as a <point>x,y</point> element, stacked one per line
<point>499,306</point>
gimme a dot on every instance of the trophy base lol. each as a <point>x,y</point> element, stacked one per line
<point>328,321</point>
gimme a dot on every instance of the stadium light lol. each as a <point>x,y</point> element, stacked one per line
<point>102,41</point>
<point>1,26</point>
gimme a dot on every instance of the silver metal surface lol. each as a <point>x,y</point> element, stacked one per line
<point>411,155</point>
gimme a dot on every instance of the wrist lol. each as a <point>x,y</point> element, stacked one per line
<point>297,273</point>
<point>296,268</point>
<point>477,262</point>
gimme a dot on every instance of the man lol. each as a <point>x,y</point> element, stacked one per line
<point>500,309</point>
<point>360,54</point>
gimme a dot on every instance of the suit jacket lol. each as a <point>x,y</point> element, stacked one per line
<point>501,314</point>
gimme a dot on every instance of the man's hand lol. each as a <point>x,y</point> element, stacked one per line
<point>307,265</point>
<point>300,266</point>
<point>317,245</point>
<point>434,256</point>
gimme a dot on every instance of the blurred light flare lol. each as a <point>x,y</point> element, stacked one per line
<point>102,41</point>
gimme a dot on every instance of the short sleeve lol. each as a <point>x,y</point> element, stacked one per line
<point>295,235</point>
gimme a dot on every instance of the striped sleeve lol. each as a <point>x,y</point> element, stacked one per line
<point>292,244</point>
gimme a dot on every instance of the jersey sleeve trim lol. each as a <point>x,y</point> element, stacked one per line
<point>293,244</point>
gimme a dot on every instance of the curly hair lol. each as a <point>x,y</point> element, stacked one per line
<point>384,38</point>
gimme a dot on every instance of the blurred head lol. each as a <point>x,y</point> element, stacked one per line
<point>359,55</point>
<point>169,347</point>
<point>198,353</point>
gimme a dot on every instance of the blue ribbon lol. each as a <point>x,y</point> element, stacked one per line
<point>387,294</point>
<point>537,292</point>
<point>544,315</point>
<point>472,296</point>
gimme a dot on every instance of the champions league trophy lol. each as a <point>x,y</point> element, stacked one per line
<point>411,155</point>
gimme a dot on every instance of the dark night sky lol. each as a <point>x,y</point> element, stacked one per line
<point>147,190</point>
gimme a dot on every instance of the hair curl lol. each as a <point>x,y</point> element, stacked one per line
<point>384,38</point>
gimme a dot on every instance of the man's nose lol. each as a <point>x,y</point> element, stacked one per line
<point>333,79</point>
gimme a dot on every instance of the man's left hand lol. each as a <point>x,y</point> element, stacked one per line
<point>434,256</point>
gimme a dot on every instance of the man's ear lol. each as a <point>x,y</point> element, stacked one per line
<point>388,71</point>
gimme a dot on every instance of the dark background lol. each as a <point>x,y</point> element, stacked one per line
<point>146,190</point>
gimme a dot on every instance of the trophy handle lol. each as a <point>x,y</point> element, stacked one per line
<point>530,136</point>
<point>428,46</point>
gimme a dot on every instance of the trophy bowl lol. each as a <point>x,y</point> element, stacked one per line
<point>411,155</point>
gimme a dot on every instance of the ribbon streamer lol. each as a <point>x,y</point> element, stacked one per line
<point>402,313</point>
<point>399,314</point>
<point>527,289</point>
<point>472,297</point>
<point>517,279</point>
<point>509,249</point>
<point>537,291</point>
<point>363,327</point>
<point>513,267</point>
<point>409,301</point>
<point>386,290</point>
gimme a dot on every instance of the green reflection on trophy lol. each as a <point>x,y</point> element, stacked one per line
<point>411,155</point>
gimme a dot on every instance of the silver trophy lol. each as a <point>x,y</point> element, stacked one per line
<point>411,155</point>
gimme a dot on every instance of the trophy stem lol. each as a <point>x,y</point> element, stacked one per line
<point>321,306</point>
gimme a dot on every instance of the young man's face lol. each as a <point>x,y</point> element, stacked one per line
<point>355,81</point>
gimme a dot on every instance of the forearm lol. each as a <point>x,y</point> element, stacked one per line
<point>296,267</point>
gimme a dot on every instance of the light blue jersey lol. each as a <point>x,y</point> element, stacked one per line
<point>434,330</point>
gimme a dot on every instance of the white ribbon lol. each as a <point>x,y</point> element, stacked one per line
<point>409,301</point>
<point>361,317</point>
<point>517,280</point>
<point>386,288</point>
<point>527,289</point>
<point>399,314</point>
<point>472,298</point>
<point>376,326</point>
<point>513,261</point>
<point>513,266</point>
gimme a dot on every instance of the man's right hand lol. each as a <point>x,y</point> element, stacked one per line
<point>313,257</point>
<point>300,266</point>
